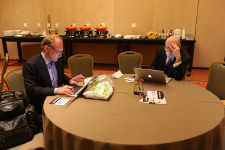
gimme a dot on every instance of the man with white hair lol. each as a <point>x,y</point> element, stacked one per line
<point>171,59</point>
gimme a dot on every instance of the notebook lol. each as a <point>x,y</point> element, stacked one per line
<point>79,89</point>
<point>151,75</point>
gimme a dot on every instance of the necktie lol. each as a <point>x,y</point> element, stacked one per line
<point>168,61</point>
<point>53,74</point>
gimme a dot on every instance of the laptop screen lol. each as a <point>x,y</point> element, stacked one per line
<point>151,75</point>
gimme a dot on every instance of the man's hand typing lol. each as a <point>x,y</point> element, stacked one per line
<point>76,79</point>
<point>65,90</point>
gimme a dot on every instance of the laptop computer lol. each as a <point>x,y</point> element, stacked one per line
<point>152,75</point>
<point>79,89</point>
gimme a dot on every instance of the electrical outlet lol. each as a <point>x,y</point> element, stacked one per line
<point>25,25</point>
<point>133,25</point>
<point>57,25</point>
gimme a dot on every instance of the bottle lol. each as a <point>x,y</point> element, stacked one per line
<point>44,33</point>
<point>168,34</point>
<point>183,34</point>
<point>39,27</point>
<point>160,36</point>
<point>171,33</point>
<point>138,87</point>
<point>25,26</point>
<point>163,34</point>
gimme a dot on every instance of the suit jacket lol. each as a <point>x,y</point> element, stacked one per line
<point>37,80</point>
<point>174,72</point>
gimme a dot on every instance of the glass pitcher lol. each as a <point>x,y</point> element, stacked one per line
<point>138,87</point>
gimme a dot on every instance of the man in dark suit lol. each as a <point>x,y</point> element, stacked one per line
<point>171,59</point>
<point>44,73</point>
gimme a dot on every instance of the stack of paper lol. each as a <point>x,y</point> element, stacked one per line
<point>154,97</point>
<point>60,101</point>
<point>117,75</point>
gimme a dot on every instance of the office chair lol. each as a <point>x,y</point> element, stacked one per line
<point>81,64</point>
<point>216,80</point>
<point>128,61</point>
<point>14,80</point>
<point>4,68</point>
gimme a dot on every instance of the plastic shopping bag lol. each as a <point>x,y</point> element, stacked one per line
<point>100,88</point>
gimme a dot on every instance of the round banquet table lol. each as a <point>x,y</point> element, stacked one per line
<point>192,119</point>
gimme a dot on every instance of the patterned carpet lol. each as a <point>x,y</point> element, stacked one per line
<point>198,76</point>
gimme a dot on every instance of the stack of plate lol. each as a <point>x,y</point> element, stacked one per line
<point>11,32</point>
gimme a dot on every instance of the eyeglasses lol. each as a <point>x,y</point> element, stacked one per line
<point>168,47</point>
<point>59,53</point>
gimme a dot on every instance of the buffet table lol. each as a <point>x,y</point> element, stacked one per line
<point>122,44</point>
<point>18,40</point>
<point>192,119</point>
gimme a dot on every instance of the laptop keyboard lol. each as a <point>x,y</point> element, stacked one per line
<point>76,88</point>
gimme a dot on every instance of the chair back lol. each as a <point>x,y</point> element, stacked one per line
<point>128,61</point>
<point>4,68</point>
<point>81,64</point>
<point>216,80</point>
<point>14,80</point>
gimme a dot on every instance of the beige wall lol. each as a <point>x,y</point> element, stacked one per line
<point>13,14</point>
<point>149,15</point>
<point>154,15</point>
<point>210,33</point>
<point>59,12</point>
<point>94,12</point>
<point>179,14</point>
